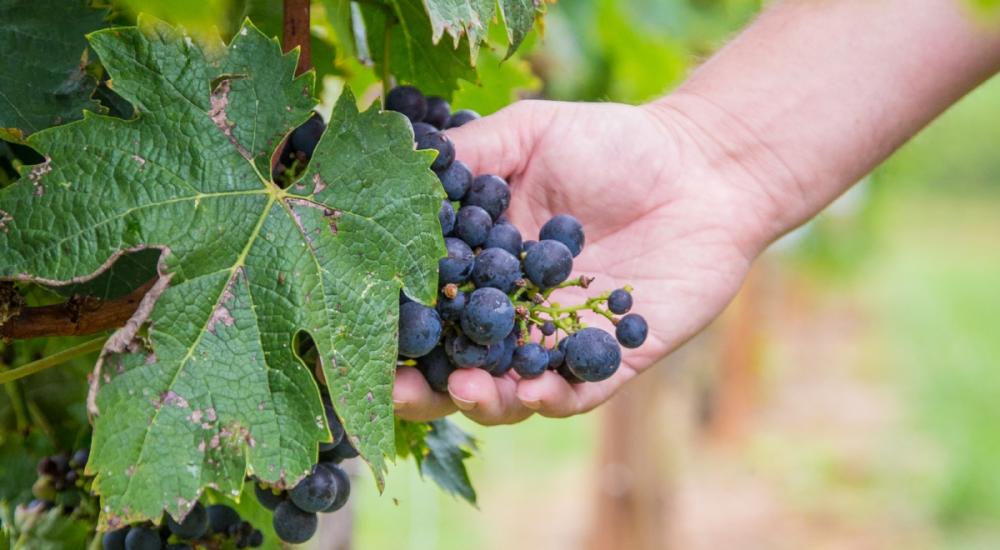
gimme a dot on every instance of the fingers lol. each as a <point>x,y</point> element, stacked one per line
<point>552,396</point>
<point>414,399</point>
<point>485,399</point>
<point>502,143</point>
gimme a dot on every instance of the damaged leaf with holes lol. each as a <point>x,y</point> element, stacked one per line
<point>203,386</point>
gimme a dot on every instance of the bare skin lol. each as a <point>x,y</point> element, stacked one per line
<point>678,197</point>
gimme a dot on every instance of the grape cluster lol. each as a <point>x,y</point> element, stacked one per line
<point>325,490</point>
<point>495,287</point>
<point>202,527</point>
<point>60,481</point>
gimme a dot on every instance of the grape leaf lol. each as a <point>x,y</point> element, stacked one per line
<point>440,449</point>
<point>413,56</point>
<point>215,391</point>
<point>472,18</point>
<point>42,78</point>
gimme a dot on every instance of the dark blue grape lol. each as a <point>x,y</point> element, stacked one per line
<point>450,309</point>
<point>461,117</point>
<point>256,539</point>
<point>436,368</point>
<point>305,137</point>
<point>632,330</point>
<point>472,225</point>
<point>79,458</point>
<point>456,180</point>
<point>336,427</point>
<point>419,329</point>
<point>444,147</point>
<point>266,497</point>
<point>548,263</point>
<point>222,517</point>
<point>408,101</point>
<point>527,246</point>
<point>114,540</point>
<point>548,328</point>
<point>421,129</point>
<point>504,235</point>
<point>341,452</point>
<point>465,353</point>
<point>343,487</point>
<point>457,266</point>
<point>438,112</point>
<point>488,317</point>
<point>565,229</point>
<point>619,301</point>
<point>494,356</point>
<point>446,215</point>
<point>293,525</point>
<point>530,360</point>
<point>496,268</point>
<point>507,358</point>
<point>556,357</point>
<point>489,192</point>
<point>142,538</point>
<point>593,355</point>
<point>315,492</point>
<point>193,526</point>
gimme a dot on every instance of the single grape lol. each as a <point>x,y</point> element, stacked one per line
<point>494,355</point>
<point>114,540</point>
<point>419,329</point>
<point>593,355</point>
<point>193,526</point>
<point>436,368</point>
<point>343,451</point>
<point>443,145</point>
<point>450,309</point>
<point>496,268</point>
<point>316,491</point>
<point>293,525</point>
<point>457,266</point>
<point>80,458</point>
<point>462,116</point>
<point>619,301</point>
<point>504,235</point>
<point>473,225</point>
<point>530,360</point>
<point>489,192</point>
<point>556,357</point>
<point>548,263</point>
<point>336,427</point>
<point>548,328</point>
<point>47,467</point>
<point>256,539</point>
<point>438,112</point>
<point>446,215</point>
<point>222,517</point>
<point>456,180</point>
<point>507,358</point>
<point>343,487</point>
<point>527,246</point>
<point>305,137</point>
<point>632,330</point>
<point>465,353</point>
<point>266,497</point>
<point>141,537</point>
<point>421,129</point>
<point>565,229</point>
<point>488,317</point>
<point>408,101</point>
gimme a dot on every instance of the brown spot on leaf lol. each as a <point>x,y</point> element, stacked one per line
<point>220,101</point>
<point>5,218</point>
<point>320,185</point>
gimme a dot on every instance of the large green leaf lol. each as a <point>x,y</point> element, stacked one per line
<point>42,78</point>
<point>215,390</point>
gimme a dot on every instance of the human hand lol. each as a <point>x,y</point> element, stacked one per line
<point>661,212</point>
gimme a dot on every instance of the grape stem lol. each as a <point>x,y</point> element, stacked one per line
<point>52,360</point>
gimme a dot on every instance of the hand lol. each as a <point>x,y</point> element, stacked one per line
<point>659,211</point>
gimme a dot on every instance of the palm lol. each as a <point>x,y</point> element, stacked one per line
<point>653,218</point>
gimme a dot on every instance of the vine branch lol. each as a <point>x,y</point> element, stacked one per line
<point>73,318</point>
<point>295,32</point>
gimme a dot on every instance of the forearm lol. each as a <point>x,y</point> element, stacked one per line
<point>816,93</point>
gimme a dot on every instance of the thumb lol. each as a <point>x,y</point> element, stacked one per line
<point>501,143</point>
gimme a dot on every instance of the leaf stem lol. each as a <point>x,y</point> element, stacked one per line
<point>52,360</point>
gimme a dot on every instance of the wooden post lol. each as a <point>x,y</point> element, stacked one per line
<point>295,32</point>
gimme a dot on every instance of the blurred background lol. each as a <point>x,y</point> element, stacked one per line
<point>849,398</point>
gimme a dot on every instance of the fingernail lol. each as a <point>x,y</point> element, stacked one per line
<point>462,404</point>
<point>533,405</point>
<point>398,404</point>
